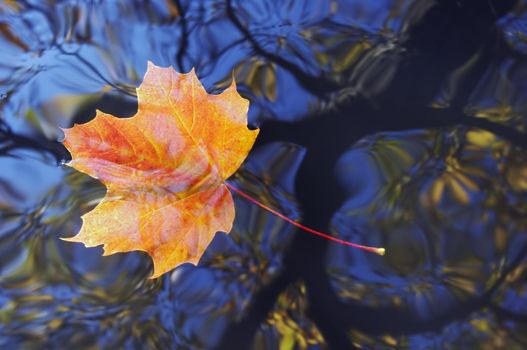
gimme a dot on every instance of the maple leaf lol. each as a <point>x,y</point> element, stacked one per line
<point>164,169</point>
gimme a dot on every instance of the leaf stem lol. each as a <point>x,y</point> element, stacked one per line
<point>376,250</point>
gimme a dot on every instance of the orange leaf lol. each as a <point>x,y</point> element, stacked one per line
<point>164,169</point>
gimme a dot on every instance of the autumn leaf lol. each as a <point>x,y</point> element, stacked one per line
<point>164,169</point>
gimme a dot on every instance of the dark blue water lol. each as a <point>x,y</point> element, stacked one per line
<point>394,123</point>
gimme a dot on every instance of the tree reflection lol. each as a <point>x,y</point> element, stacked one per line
<point>419,104</point>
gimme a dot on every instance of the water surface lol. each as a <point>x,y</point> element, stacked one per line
<point>362,108</point>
